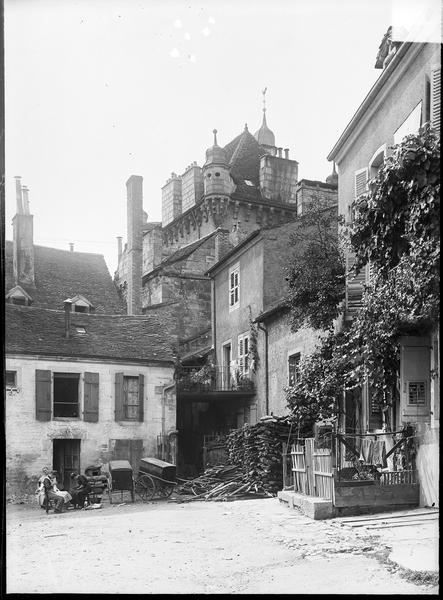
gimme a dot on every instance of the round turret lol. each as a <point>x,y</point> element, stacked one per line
<point>264,136</point>
<point>333,177</point>
<point>215,154</point>
<point>216,176</point>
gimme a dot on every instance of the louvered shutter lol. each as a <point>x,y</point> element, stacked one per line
<point>435,97</point>
<point>42,395</point>
<point>91,397</point>
<point>141,396</point>
<point>237,285</point>
<point>361,179</point>
<point>369,272</point>
<point>119,396</point>
<point>354,284</point>
<point>240,354</point>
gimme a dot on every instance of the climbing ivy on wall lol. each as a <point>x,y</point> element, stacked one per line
<point>397,229</point>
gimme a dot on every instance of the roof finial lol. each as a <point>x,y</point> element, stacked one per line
<point>246,127</point>
<point>214,131</point>
<point>264,99</point>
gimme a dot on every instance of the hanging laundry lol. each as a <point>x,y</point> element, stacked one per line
<point>366,450</point>
<point>379,453</point>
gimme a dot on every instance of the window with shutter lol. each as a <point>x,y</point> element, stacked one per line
<point>234,287</point>
<point>91,397</point>
<point>354,284</point>
<point>119,396</point>
<point>43,386</point>
<point>141,395</point>
<point>243,353</point>
<point>435,97</point>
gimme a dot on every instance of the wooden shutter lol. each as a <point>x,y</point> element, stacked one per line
<point>361,179</point>
<point>43,395</point>
<point>240,355</point>
<point>141,396</point>
<point>90,397</point>
<point>119,396</point>
<point>354,284</point>
<point>435,97</point>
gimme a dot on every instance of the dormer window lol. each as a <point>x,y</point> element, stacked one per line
<point>81,304</point>
<point>17,295</point>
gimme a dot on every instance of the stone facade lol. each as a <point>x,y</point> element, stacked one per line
<point>30,443</point>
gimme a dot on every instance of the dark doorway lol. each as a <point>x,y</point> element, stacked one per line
<point>66,459</point>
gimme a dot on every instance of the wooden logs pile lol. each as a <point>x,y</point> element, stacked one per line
<point>257,449</point>
<point>223,482</point>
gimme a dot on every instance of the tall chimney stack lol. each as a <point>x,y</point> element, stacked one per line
<point>119,246</point>
<point>134,188</point>
<point>68,308</point>
<point>23,238</point>
<point>18,195</point>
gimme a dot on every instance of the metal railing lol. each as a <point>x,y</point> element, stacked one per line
<point>207,379</point>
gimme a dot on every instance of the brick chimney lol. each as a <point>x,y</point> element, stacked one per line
<point>134,189</point>
<point>23,238</point>
<point>278,177</point>
<point>171,199</point>
<point>222,245</point>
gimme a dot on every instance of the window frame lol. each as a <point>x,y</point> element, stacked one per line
<point>234,287</point>
<point>66,375</point>
<point>8,386</point>
<point>291,353</point>
<point>243,362</point>
<point>125,404</point>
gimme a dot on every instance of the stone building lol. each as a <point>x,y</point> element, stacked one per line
<point>405,96</point>
<point>241,187</point>
<point>85,383</point>
<point>254,349</point>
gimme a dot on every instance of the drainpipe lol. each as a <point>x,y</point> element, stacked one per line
<point>266,366</point>
<point>213,321</point>
<point>165,387</point>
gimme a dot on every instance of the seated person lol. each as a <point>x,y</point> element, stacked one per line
<point>46,492</point>
<point>80,492</point>
<point>63,493</point>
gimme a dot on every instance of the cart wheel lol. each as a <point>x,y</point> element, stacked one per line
<point>166,490</point>
<point>145,487</point>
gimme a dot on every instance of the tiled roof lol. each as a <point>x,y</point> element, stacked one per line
<point>61,274</point>
<point>30,330</point>
<point>243,154</point>
<point>186,251</point>
<point>279,306</point>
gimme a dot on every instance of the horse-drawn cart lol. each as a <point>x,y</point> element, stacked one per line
<point>155,477</point>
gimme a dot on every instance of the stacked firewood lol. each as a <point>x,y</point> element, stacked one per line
<point>257,449</point>
<point>255,454</point>
<point>223,482</point>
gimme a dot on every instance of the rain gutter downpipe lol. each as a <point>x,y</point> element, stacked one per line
<point>264,329</point>
<point>165,387</point>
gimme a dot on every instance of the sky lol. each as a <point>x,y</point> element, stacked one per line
<point>99,90</point>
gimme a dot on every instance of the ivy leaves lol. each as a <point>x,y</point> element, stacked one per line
<point>397,229</point>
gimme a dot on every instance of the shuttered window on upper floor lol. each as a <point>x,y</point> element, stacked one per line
<point>435,97</point>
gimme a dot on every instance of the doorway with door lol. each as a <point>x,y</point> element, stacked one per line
<point>66,460</point>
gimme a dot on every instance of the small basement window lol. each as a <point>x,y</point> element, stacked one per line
<point>66,396</point>
<point>11,379</point>
<point>80,329</point>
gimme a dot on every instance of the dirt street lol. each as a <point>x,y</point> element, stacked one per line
<point>249,546</point>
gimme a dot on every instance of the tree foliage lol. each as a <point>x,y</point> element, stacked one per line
<point>397,229</point>
<point>316,273</point>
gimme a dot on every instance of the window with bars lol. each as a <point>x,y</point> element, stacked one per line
<point>234,287</point>
<point>416,393</point>
<point>243,353</point>
<point>293,367</point>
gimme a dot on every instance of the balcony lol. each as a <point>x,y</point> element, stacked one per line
<point>207,381</point>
